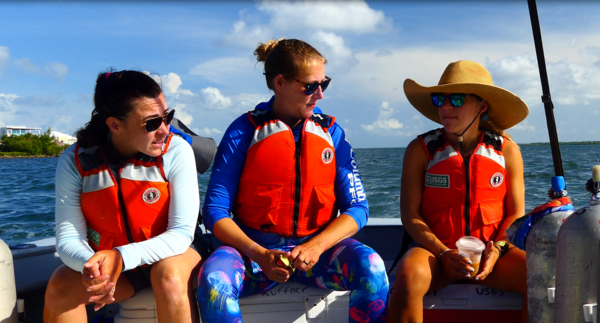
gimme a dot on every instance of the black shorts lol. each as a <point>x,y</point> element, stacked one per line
<point>140,277</point>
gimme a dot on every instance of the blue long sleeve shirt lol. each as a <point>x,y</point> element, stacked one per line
<point>231,156</point>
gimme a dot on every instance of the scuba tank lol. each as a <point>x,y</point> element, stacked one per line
<point>577,262</point>
<point>537,233</point>
<point>8,291</point>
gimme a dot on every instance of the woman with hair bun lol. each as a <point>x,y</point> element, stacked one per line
<point>284,170</point>
<point>126,207</point>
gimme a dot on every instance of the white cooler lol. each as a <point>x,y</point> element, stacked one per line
<point>289,302</point>
<point>467,303</point>
<point>141,308</point>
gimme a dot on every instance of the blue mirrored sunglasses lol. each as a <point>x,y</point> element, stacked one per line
<point>456,99</point>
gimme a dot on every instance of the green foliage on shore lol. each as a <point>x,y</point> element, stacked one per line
<point>31,145</point>
<point>12,154</point>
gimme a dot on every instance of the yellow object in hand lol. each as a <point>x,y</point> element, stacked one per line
<point>286,262</point>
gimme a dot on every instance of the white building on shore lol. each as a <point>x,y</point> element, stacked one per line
<point>63,137</point>
<point>18,131</point>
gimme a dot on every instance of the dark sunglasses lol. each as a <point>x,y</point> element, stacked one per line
<point>310,88</point>
<point>155,123</point>
<point>456,99</point>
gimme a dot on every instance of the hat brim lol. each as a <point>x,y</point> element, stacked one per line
<point>505,109</point>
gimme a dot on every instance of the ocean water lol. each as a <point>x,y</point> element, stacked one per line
<point>27,185</point>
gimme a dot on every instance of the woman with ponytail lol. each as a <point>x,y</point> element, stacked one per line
<point>126,207</point>
<point>464,179</point>
<point>284,170</point>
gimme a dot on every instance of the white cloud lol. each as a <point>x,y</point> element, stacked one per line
<point>182,114</point>
<point>572,84</point>
<point>171,82</point>
<point>223,70</point>
<point>213,99</point>
<point>27,65</point>
<point>55,69</point>
<point>247,36</point>
<point>177,98</point>
<point>519,75</point>
<point>344,16</point>
<point>6,101</point>
<point>7,108</point>
<point>207,131</point>
<point>524,126</point>
<point>4,57</point>
<point>350,16</point>
<point>338,54</point>
<point>384,121</point>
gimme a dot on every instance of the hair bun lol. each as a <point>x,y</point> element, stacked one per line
<point>263,50</point>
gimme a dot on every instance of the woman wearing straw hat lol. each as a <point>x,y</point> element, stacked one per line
<point>464,179</point>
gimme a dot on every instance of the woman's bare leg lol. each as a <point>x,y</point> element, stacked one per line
<point>418,272</point>
<point>66,296</point>
<point>173,285</point>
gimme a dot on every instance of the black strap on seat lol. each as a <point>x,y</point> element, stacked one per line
<point>204,248</point>
<point>406,241</point>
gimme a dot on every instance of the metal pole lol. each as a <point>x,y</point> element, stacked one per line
<point>546,99</point>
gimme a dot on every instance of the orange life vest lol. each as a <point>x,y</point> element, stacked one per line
<point>286,187</point>
<point>463,199</point>
<point>131,208</point>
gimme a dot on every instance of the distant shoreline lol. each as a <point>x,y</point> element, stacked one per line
<point>568,143</point>
<point>22,157</point>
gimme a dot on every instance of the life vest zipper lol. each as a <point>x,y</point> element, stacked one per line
<point>467,197</point>
<point>298,184</point>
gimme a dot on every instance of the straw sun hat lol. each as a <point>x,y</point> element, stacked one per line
<point>504,108</point>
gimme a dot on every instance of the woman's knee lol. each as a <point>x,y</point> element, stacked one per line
<point>171,280</point>
<point>412,277</point>
<point>65,284</point>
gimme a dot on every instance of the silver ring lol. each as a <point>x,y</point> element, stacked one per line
<point>304,261</point>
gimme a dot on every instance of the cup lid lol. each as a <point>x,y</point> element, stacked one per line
<point>469,242</point>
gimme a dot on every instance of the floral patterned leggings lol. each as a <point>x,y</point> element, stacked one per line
<point>227,276</point>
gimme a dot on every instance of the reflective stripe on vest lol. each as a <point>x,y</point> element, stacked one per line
<point>143,187</point>
<point>444,194</point>
<point>271,197</point>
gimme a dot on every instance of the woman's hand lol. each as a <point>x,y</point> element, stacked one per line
<point>268,262</point>
<point>306,255</point>
<point>101,273</point>
<point>488,260</point>
<point>456,265</point>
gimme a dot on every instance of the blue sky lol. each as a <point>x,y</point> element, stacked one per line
<point>51,53</point>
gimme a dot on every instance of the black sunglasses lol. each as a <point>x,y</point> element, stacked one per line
<point>456,99</point>
<point>155,123</point>
<point>310,88</point>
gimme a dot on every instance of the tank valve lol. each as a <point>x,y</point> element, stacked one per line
<point>593,184</point>
<point>558,189</point>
